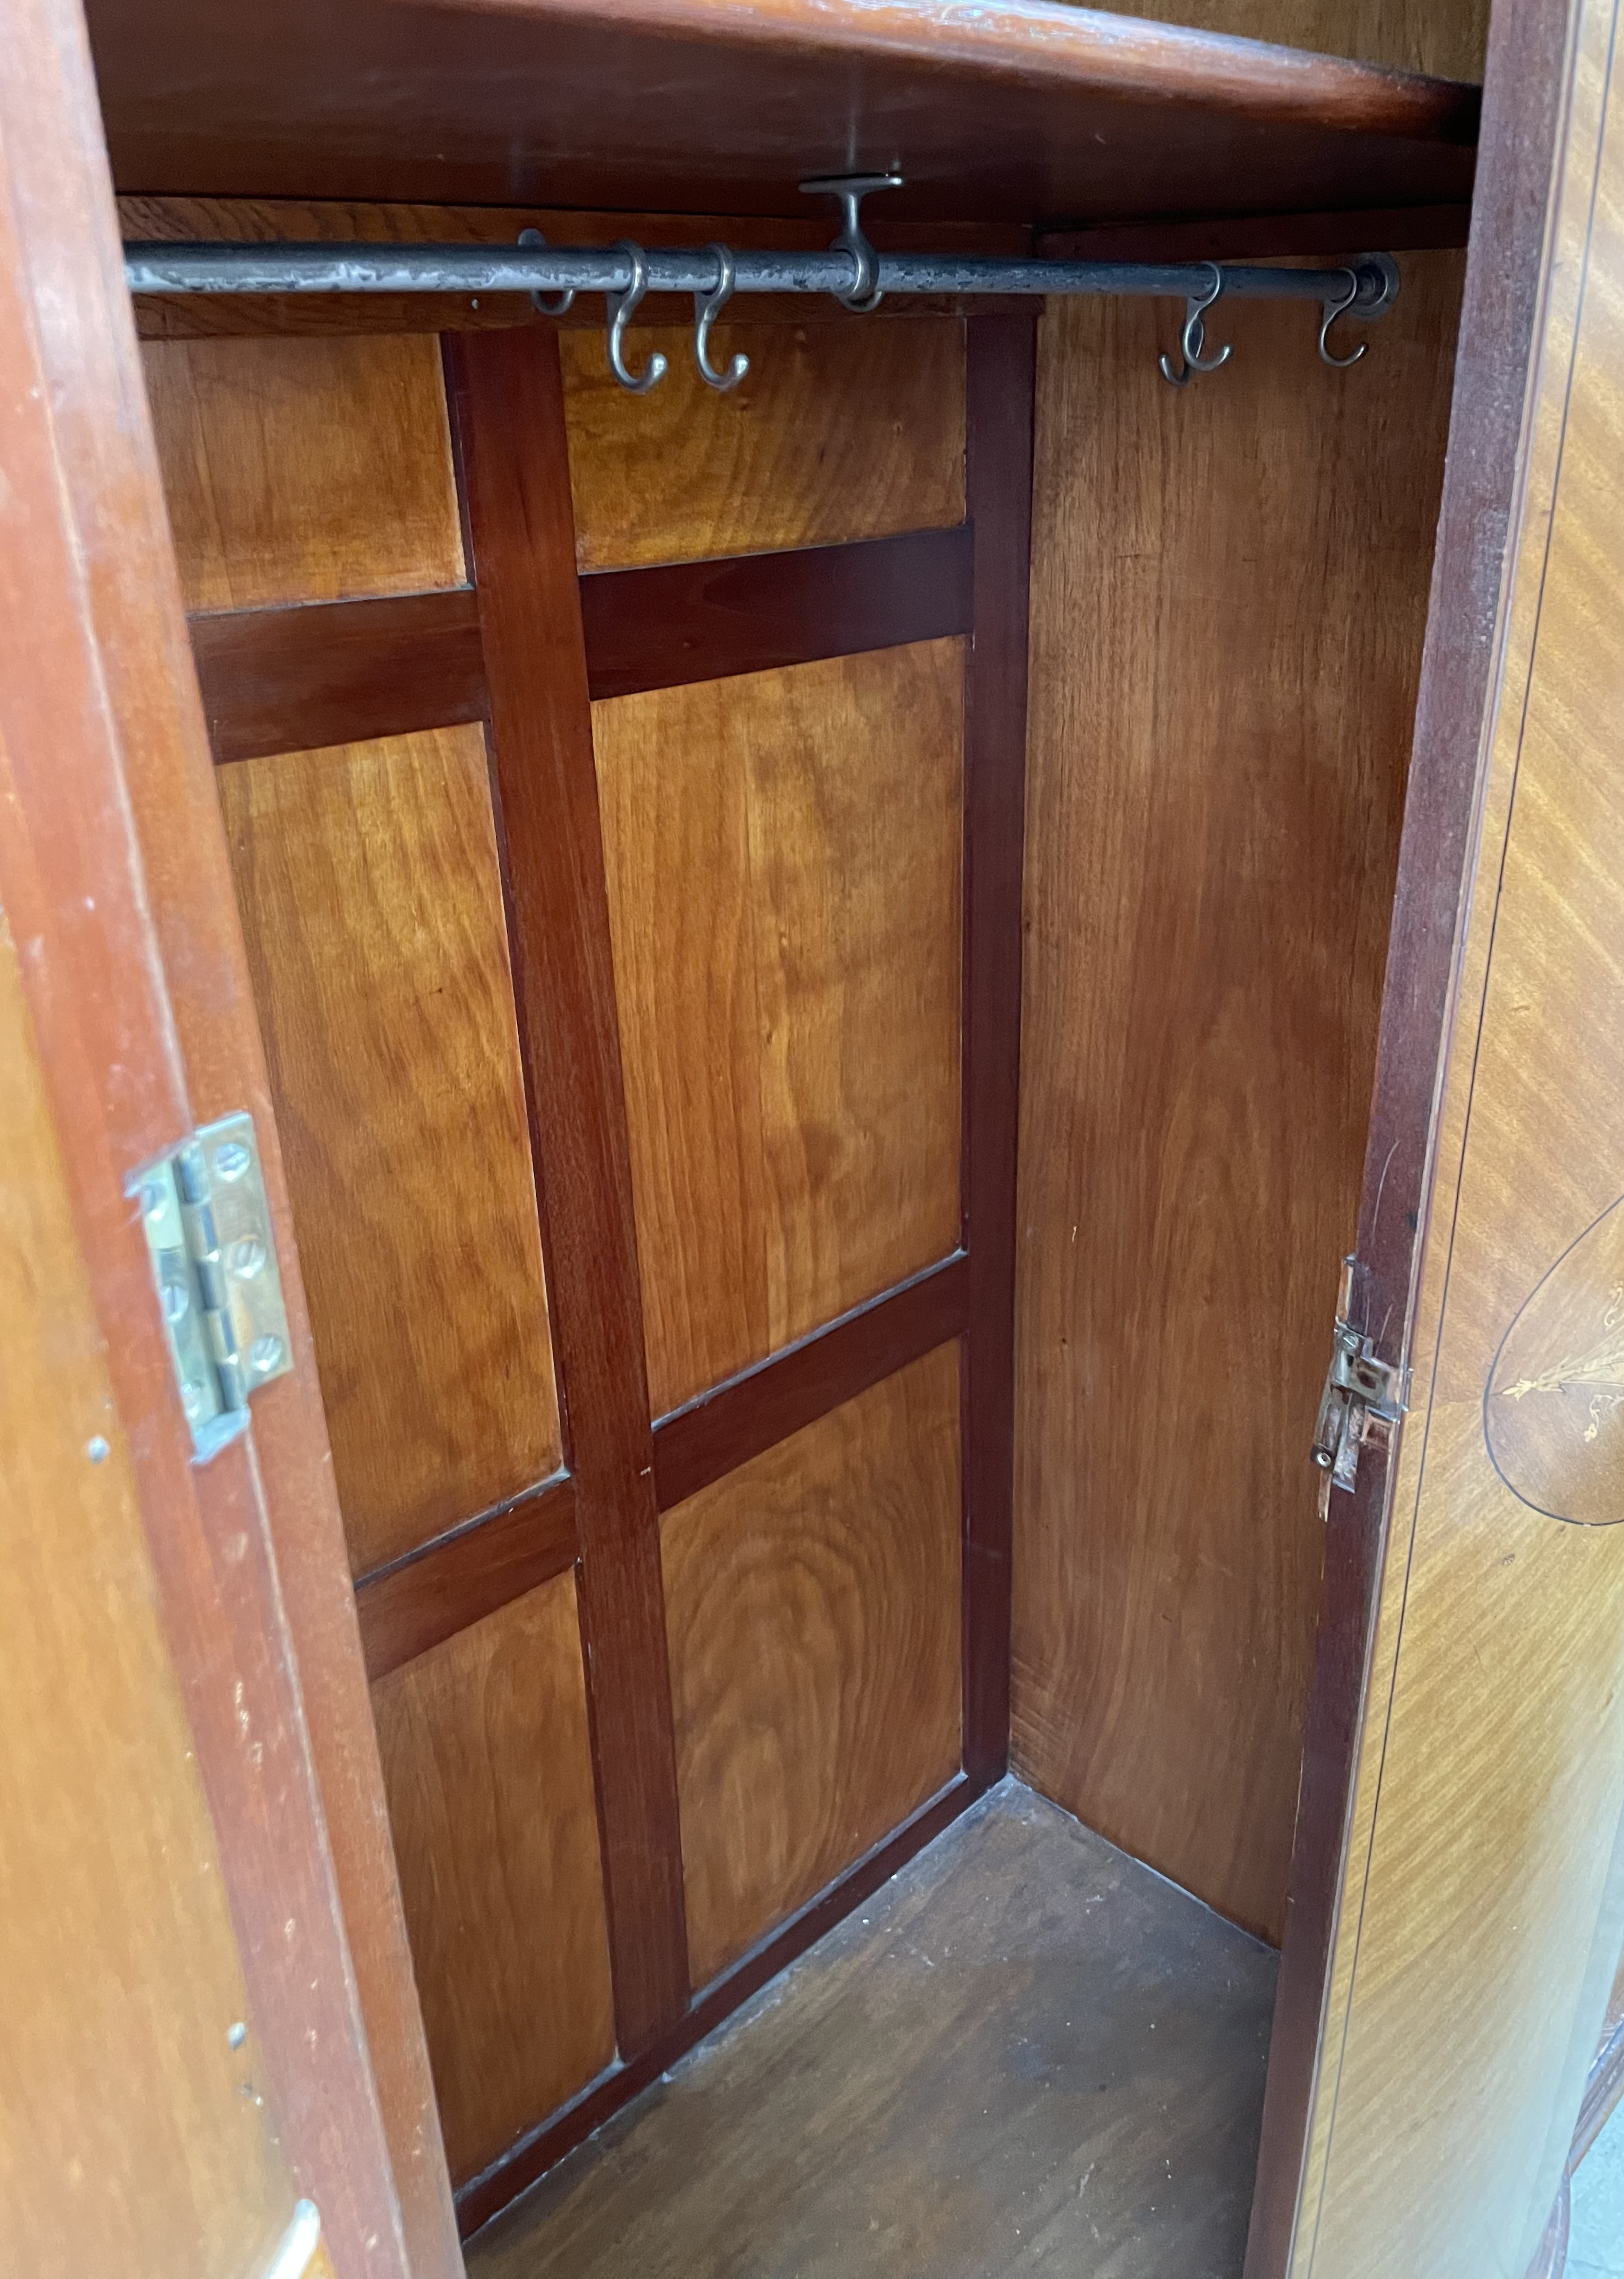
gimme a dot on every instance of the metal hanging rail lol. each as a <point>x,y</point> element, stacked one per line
<point>851,270</point>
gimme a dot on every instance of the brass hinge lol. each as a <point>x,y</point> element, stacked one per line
<point>1360,1392</point>
<point>203,1208</point>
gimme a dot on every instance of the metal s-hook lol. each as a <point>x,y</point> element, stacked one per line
<point>1333,310</point>
<point>619,307</point>
<point>554,306</point>
<point>850,190</point>
<point>1192,340</point>
<point>707,308</point>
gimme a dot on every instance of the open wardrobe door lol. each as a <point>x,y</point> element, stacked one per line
<point>1449,1958</point>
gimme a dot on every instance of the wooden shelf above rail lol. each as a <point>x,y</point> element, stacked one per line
<point>1032,112</point>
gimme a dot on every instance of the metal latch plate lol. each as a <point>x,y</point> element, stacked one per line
<point>208,1231</point>
<point>1360,1392</point>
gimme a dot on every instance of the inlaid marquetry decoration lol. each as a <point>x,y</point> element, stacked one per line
<point>1553,1409</point>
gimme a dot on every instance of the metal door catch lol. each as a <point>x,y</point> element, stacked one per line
<point>1360,1392</point>
<point>203,1208</point>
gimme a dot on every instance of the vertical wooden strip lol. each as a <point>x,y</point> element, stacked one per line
<point>508,409</point>
<point>1000,354</point>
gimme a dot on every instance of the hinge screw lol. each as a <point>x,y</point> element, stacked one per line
<point>244,1259</point>
<point>231,1160</point>
<point>264,1353</point>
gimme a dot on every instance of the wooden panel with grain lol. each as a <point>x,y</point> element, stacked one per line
<point>368,882</point>
<point>1228,623</point>
<point>488,1766</point>
<point>1483,1894</point>
<point>304,469</point>
<point>812,1601</point>
<point>784,863</point>
<point>1446,38</point>
<point>836,432</point>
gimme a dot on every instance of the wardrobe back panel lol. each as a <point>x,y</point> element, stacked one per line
<point>812,1608</point>
<point>784,859</point>
<point>1229,592</point>
<point>1446,41</point>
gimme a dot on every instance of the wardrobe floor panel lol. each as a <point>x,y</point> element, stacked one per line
<point>1027,2051</point>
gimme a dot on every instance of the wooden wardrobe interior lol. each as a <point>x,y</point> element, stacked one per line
<point>952,1173</point>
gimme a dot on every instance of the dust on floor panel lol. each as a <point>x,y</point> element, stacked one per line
<point>1026,2052</point>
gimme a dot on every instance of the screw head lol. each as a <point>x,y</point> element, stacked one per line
<point>245,1258</point>
<point>98,1449</point>
<point>154,1201</point>
<point>266,1353</point>
<point>192,1400</point>
<point>231,1160</point>
<point>177,1301</point>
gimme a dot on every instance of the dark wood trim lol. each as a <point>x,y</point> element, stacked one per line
<point>1523,106</point>
<point>709,620</point>
<point>337,672</point>
<point>724,1428</point>
<point>1603,2092</point>
<point>1550,2257</point>
<point>532,2156</point>
<point>507,399</point>
<point>468,1572</point>
<point>1264,237</point>
<point>1001,356</point>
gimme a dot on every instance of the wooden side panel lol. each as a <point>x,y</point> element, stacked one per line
<point>837,432</point>
<point>129,2138</point>
<point>488,1766</point>
<point>1482,1902</point>
<point>783,865</point>
<point>301,471</point>
<point>1444,38</point>
<point>812,1605</point>
<point>1229,599</point>
<point>367,879</point>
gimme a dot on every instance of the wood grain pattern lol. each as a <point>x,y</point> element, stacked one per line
<point>299,470</point>
<point>836,432</point>
<point>1221,714</point>
<point>1447,41</point>
<point>1265,237</point>
<point>508,403</point>
<point>314,674</point>
<point>1016,113</point>
<point>1001,353</point>
<point>367,877</point>
<point>128,2136</point>
<point>488,1766</point>
<point>783,855</point>
<point>812,1601</point>
<point>469,1572</point>
<point>732,1421</point>
<point>1483,1900</point>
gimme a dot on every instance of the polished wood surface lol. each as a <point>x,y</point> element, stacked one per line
<point>508,401</point>
<point>368,881</point>
<point>784,861</point>
<point>1001,371</point>
<point>658,628</point>
<point>112,873</point>
<point>1523,101</point>
<point>1447,39</point>
<point>129,2137</point>
<point>837,432</point>
<point>1481,1917</point>
<point>488,1764</point>
<point>299,470</point>
<point>1028,2053</point>
<point>1221,720</point>
<point>310,675</point>
<point>467,1573</point>
<point>812,1600</point>
<point>1020,112</point>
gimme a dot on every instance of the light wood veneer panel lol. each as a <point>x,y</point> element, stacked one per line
<point>837,432</point>
<point>304,469</point>
<point>488,1767</point>
<point>784,868</point>
<point>1229,593</point>
<point>367,880</point>
<point>812,1605</point>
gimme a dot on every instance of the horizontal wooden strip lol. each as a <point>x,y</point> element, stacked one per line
<point>688,621</point>
<point>724,1428</point>
<point>414,1602</point>
<point>296,680</point>
<point>1264,237</point>
<point>486,2195</point>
